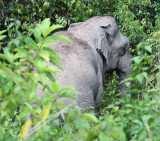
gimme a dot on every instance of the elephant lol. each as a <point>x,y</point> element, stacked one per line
<point>97,47</point>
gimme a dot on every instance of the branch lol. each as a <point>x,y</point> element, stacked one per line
<point>45,121</point>
<point>149,131</point>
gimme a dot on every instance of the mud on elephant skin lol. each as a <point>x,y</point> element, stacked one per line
<point>97,47</point>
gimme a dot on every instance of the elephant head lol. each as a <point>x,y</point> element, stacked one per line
<point>102,33</point>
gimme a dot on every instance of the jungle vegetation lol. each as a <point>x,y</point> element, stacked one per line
<point>25,29</point>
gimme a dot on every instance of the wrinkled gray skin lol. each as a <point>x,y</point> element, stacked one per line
<point>97,47</point>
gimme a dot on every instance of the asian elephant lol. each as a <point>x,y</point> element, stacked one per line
<point>97,47</point>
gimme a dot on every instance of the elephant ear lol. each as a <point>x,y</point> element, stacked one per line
<point>105,39</point>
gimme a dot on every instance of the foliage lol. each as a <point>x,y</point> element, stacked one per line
<point>24,66</point>
<point>139,119</point>
<point>62,12</point>
<point>24,49</point>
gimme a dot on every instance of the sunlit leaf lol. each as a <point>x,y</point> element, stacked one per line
<point>46,111</point>
<point>3,31</point>
<point>43,78</point>
<point>37,34</point>
<point>44,26</point>
<point>44,54</point>
<point>47,44</point>
<point>25,128</point>
<point>52,28</point>
<point>2,37</point>
<point>58,37</point>
<point>148,48</point>
<point>52,69</point>
<point>90,117</point>
<point>137,59</point>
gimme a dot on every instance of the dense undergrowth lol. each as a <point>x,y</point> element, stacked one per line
<point>24,49</point>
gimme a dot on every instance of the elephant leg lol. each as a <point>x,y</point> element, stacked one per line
<point>86,101</point>
<point>98,99</point>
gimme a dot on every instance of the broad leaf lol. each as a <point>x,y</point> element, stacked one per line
<point>50,29</point>
<point>44,27</point>
<point>148,48</point>
<point>146,118</point>
<point>140,78</point>
<point>137,59</point>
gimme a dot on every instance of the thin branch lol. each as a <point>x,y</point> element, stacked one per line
<point>149,131</point>
<point>45,121</point>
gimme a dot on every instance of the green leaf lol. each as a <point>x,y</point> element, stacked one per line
<point>10,25</point>
<point>3,31</point>
<point>23,52</point>
<point>2,56</point>
<point>59,105</point>
<point>2,37</point>
<point>145,75</point>
<point>28,105</point>
<point>51,69</point>
<point>66,88</point>
<point>47,44</point>
<point>139,46</point>
<point>82,124</point>
<point>44,54</point>
<point>43,78</point>
<point>44,27</point>
<point>103,137</point>
<point>56,86</point>
<point>52,53</point>
<point>146,118</point>
<point>50,29</point>
<point>16,56</point>
<point>140,78</point>
<point>68,94</point>
<point>90,117</point>
<point>138,122</point>
<point>23,112</point>
<point>31,43</point>
<point>37,34</point>
<point>46,111</point>
<point>58,37</point>
<point>137,59</point>
<point>40,65</point>
<point>56,62</point>
<point>148,48</point>
<point>25,128</point>
<point>50,76</point>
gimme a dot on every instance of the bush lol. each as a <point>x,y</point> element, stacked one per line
<point>135,117</point>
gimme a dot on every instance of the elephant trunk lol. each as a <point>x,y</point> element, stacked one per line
<point>124,70</point>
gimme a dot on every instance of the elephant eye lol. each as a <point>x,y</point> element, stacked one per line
<point>122,51</point>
